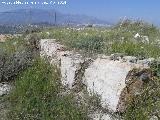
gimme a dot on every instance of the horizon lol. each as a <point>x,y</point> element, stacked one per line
<point>111,10</point>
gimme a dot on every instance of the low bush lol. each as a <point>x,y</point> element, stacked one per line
<point>33,41</point>
<point>11,65</point>
<point>155,66</point>
<point>16,54</point>
<point>89,43</point>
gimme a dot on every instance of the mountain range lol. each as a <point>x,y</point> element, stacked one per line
<point>37,16</point>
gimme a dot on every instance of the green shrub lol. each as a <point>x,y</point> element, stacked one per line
<point>89,43</point>
<point>156,68</point>
<point>33,41</point>
<point>14,63</point>
<point>136,26</point>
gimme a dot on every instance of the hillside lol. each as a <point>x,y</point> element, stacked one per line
<point>88,73</point>
<point>36,16</point>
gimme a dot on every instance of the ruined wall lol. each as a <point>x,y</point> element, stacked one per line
<point>105,75</point>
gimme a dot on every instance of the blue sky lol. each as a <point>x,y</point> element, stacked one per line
<point>110,10</point>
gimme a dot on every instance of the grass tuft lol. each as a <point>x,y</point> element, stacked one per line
<point>37,96</point>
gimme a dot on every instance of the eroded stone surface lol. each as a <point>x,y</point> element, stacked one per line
<point>107,78</point>
<point>69,65</point>
<point>50,49</point>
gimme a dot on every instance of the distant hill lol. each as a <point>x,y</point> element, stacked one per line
<point>37,16</point>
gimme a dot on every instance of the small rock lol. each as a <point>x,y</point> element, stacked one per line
<point>102,56</point>
<point>154,118</point>
<point>4,89</point>
<point>145,39</point>
<point>137,35</point>
<point>116,56</point>
<point>145,77</point>
<point>146,62</point>
<point>131,59</point>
